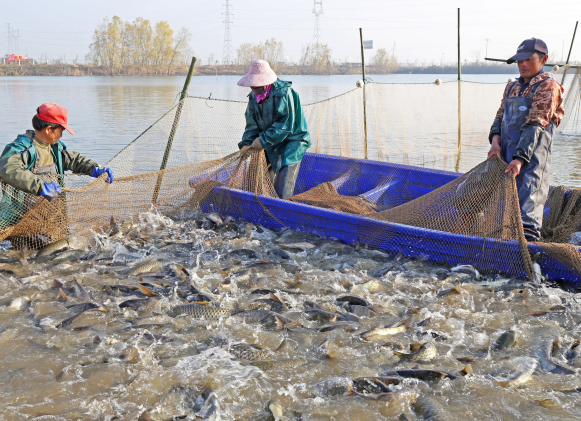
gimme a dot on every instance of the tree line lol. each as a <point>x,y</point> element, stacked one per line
<point>139,47</point>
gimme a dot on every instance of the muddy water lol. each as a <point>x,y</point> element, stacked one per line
<point>130,355</point>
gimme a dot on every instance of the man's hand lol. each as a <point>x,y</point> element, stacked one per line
<point>495,146</point>
<point>257,144</point>
<point>514,167</point>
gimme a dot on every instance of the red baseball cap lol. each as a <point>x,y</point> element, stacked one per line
<point>54,113</point>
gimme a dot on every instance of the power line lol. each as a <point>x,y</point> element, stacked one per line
<point>318,11</point>
<point>227,49</point>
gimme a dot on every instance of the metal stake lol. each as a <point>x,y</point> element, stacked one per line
<point>459,96</point>
<point>174,129</point>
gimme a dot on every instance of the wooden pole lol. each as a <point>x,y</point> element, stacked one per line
<point>565,71</point>
<point>174,129</point>
<point>364,100</point>
<point>459,97</point>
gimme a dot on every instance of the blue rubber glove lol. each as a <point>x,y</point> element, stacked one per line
<point>98,171</point>
<point>50,191</point>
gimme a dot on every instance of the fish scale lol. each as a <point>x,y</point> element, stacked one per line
<point>199,311</point>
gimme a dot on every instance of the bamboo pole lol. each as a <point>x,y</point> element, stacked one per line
<point>364,100</point>
<point>174,129</point>
<point>565,71</point>
<point>459,95</point>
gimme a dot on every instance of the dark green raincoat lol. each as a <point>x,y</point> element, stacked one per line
<point>17,161</point>
<point>281,125</point>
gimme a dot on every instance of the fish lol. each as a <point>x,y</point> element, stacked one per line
<point>429,409</point>
<point>79,291</point>
<point>379,333</point>
<point>374,384</point>
<point>320,315</point>
<point>353,300</point>
<point>266,365</point>
<point>249,352</point>
<point>152,266</point>
<point>469,269</point>
<point>426,375</point>
<point>53,248</point>
<point>134,303</point>
<point>70,320</point>
<point>302,246</point>
<point>104,337</point>
<point>199,311</point>
<point>248,254</point>
<point>216,218</point>
<point>406,395</point>
<point>67,255</point>
<point>548,342</point>
<point>268,319</point>
<point>505,341</point>
<point>426,353</point>
<point>88,306</point>
<point>18,304</point>
<point>347,327</point>
<point>273,304</point>
<point>380,270</point>
<point>521,376</point>
<point>573,353</point>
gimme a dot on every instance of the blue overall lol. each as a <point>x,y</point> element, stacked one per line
<point>533,181</point>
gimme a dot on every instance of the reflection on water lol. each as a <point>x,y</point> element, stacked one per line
<point>109,112</point>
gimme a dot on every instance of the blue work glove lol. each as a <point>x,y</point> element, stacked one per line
<point>50,191</point>
<point>98,171</point>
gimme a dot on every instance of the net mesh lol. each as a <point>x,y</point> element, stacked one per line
<point>417,124</point>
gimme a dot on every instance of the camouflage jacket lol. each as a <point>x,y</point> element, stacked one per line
<point>547,103</point>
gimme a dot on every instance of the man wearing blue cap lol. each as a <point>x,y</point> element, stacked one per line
<point>522,132</point>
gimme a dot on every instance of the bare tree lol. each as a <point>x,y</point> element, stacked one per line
<point>476,55</point>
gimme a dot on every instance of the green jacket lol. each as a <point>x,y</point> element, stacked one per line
<point>18,158</point>
<point>16,164</point>
<point>281,125</point>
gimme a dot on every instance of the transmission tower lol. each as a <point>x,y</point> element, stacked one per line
<point>318,11</point>
<point>227,49</point>
<point>9,38</point>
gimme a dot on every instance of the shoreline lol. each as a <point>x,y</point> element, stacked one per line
<point>237,70</point>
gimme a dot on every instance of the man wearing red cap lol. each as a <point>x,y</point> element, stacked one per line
<point>30,163</point>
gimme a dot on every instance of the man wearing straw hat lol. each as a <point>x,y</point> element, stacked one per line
<point>276,123</point>
<point>522,132</point>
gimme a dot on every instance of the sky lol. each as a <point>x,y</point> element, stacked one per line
<point>419,31</point>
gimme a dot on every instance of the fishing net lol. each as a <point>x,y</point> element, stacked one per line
<point>424,211</point>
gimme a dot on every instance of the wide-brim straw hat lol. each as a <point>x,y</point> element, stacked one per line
<point>259,74</point>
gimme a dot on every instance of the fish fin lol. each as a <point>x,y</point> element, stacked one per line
<point>409,321</point>
<point>467,370</point>
<point>346,284</point>
<point>350,390</point>
<point>203,303</point>
<point>515,343</point>
<point>458,289</point>
<point>275,298</point>
<point>223,273</point>
<point>282,344</point>
<point>415,347</point>
<point>399,354</point>
<point>263,261</point>
<point>147,291</point>
<point>279,323</point>
<point>63,296</point>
